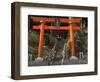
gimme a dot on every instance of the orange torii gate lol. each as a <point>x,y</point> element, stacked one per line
<point>42,27</point>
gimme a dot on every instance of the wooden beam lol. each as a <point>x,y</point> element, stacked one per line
<point>54,28</point>
<point>46,20</point>
<point>52,20</point>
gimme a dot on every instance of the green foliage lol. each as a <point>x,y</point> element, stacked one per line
<point>33,38</point>
<point>81,37</point>
<point>33,41</point>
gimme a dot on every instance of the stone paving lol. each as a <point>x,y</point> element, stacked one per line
<point>41,62</point>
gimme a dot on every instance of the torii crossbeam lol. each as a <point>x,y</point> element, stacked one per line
<point>42,27</point>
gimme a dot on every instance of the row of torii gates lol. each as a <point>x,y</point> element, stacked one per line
<point>72,27</point>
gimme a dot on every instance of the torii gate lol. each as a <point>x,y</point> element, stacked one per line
<point>42,27</point>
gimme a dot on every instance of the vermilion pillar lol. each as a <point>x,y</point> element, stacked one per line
<point>72,39</point>
<point>41,39</point>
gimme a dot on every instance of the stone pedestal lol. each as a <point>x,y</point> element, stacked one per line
<point>74,60</point>
<point>39,59</point>
<point>38,62</point>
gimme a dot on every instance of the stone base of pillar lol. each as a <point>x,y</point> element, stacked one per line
<point>73,58</point>
<point>39,59</point>
<point>38,62</point>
